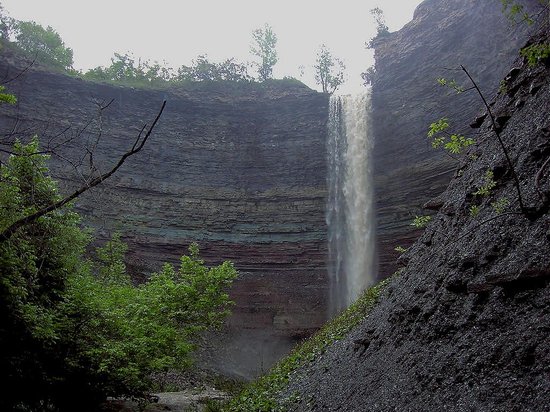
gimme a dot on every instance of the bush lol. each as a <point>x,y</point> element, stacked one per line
<point>44,44</point>
<point>75,329</point>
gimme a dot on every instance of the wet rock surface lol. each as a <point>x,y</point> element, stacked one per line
<point>443,35</point>
<point>465,325</point>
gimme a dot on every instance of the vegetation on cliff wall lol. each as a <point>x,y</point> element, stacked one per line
<point>266,393</point>
<point>72,327</point>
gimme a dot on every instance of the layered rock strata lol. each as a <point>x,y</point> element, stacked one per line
<point>464,326</point>
<point>238,168</point>
<point>443,35</point>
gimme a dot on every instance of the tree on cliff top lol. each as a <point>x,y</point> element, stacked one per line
<point>202,69</point>
<point>329,70</point>
<point>44,44</point>
<point>381,26</point>
<point>263,47</point>
<point>124,68</point>
<point>5,23</point>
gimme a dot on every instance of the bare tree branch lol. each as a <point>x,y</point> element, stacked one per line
<point>7,233</point>
<point>18,74</point>
<point>502,146</point>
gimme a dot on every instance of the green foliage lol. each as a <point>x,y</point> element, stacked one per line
<point>329,70</point>
<point>435,131</point>
<point>400,249</point>
<point>132,331</point>
<point>110,258</point>
<point>261,395</point>
<point>453,143</point>
<point>500,205</point>
<point>382,29</point>
<point>451,84</point>
<point>488,184</point>
<point>74,329</point>
<point>421,221</point>
<point>204,70</point>
<point>474,210</point>
<point>515,12</point>
<point>125,69</point>
<point>6,24</point>
<point>536,53</point>
<point>34,266</point>
<point>457,143</point>
<point>45,45</point>
<point>264,47</point>
<point>7,97</point>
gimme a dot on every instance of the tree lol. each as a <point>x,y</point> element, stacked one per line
<point>203,69</point>
<point>329,70</point>
<point>125,69</point>
<point>34,266</point>
<point>6,23</point>
<point>124,333</point>
<point>45,45</point>
<point>264,48</point>
<point>72,329</point>
<point>381,26</point>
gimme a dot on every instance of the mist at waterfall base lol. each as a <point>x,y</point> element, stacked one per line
<point>349,207</point>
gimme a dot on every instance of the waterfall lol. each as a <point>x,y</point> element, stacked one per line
<point>349,206</point>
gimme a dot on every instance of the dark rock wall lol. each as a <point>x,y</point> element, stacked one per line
<point>465,325</point>
<point>406,98</point>
<point>238,169</point>
<point>242,169</point>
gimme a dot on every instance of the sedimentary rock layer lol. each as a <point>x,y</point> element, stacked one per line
<point>238,168</point>
<point>443,35</point>
<point>464,326</point>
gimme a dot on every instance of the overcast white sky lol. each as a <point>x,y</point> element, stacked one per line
<point>178,31</point>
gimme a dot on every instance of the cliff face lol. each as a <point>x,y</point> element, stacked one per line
<point>465,324</point>
<point>443,35</point>
<point>242,169</point>
<point>238,169</point>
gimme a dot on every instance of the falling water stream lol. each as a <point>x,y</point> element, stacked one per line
<point>349,207</point>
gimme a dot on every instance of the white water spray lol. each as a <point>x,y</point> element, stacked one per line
<point>349,208</point>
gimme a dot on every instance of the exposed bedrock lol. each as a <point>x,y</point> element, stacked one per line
<point>238,168</point>
<point>241,169</point>
<point>464,326</point>
<point>443,35</point>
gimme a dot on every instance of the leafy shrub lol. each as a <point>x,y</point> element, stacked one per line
<point>500,205</point>
<point>453,143</point>
<point>536,53</point>
<point>474,210</point>
<point>74,329</point>
<point>44,44</point>
<point>421,221</point>
<point>488,184</point>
